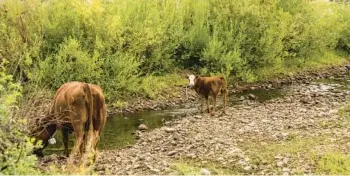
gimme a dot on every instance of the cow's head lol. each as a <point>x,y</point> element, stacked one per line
<point>44,134</point>
<point>192,80</point>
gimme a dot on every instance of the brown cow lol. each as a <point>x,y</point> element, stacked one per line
<point>78,107</point>
<point>206,86</point>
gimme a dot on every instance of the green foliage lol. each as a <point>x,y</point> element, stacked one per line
<point>69,64</point>
<point>120,74</point>
<point>15,147</point>
<point>119,44</point>
<point>343,11</point>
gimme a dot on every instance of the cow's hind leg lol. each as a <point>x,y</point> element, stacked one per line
<point>224,97</point>
<point>96,138</point>
<point>215,96</point>
<point>79,136</point>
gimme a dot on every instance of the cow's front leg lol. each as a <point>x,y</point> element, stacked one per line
<point>215,96</point>
<point>207,99</point>
<point>202,104</point>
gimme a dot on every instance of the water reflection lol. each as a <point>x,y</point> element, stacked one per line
<point>119,130</point>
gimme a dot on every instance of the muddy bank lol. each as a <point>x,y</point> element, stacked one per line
<point>166,100</point>
<point>309,109</point>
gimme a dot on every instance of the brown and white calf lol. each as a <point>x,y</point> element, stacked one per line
<point>206,86</point>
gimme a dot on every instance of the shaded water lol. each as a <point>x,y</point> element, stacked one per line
<point>120,129</point>
<point>339,82</point>
<point>260,94</point>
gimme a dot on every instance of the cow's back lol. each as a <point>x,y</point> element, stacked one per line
<point>208,85</point>
<point>69,95</point>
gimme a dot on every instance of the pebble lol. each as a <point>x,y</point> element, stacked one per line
<point>205,171</point>
<point>142,127</point>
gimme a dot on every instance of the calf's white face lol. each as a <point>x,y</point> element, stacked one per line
<point>191,79</point>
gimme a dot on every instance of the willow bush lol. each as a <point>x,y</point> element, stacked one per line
<point>119,43</point>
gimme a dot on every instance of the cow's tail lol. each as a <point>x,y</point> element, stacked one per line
<point>89,123</point>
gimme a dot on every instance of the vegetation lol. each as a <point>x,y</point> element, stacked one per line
<point>119,44</point>
<point>14,145</point>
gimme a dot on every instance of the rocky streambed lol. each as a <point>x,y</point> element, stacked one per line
<point>263,137</point>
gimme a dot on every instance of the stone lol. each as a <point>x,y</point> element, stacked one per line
<point>171,153</point>
<point>279,164</point>
<point>252,96</point>
<point>247,168</point>
<point>205,171</point>
<point>169,130</point>
<point>142,127</point>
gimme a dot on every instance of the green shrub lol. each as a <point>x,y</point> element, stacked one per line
<point>71,63</point>
<point>343,12</point>
<point>15,147</point>
<point>120,75</point>
<point>118,43</point>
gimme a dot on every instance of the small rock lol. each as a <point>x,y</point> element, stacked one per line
<point>252,96</point>
<point>172,153</point>
<point>242,162</point>
<point>136,166</point>
<point>279,164</point>
<point>155,170</point>
<point>247,168</point>
<point>169,130</point>
<point>142,127</point>
<point>205,171</point>
<point>241,98</point>
<point>285,173</point>
<point>285,169</point>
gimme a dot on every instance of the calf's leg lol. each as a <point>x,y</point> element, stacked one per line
<point>202,104</point>
<point>224,97</point>
<point>215,96</point>
<point>207,99</point>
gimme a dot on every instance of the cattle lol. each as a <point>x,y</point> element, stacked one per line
<point>78,107</point>
<point>206,86</point>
